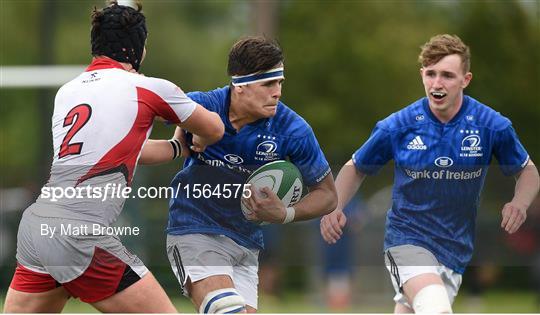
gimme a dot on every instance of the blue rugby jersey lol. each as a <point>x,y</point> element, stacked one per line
<point>231,161</point>
<point>439,173</point>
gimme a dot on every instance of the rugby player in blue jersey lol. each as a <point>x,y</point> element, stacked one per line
<point>212,247</point>
<point>442,146</point>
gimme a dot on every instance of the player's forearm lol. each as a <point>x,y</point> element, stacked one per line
<point>206,125</point>
<point>156,152</point>
<point>527,186</point>
<point>321,200</point>
<point>347,183</point>
<point>208,139</point>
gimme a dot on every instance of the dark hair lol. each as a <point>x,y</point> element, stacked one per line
<point>443,45</point>
<point>119,32</point>
<point>253,54</point>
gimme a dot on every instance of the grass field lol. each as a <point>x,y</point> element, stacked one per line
<point>492,302</point>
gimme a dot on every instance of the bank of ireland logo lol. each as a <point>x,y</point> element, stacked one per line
<point>233,159</point>
<point>444,161</point>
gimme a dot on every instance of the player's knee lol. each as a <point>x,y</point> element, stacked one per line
<point>223,301</point>
<point>432,299</point>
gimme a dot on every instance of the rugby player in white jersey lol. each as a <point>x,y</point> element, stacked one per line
<point>100,123</point>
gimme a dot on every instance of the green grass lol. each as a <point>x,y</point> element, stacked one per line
<point>499,302</point>
<point>491,302</point>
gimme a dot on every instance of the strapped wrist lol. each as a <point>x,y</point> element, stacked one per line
<point>177,148</point>
<point>289,215</point>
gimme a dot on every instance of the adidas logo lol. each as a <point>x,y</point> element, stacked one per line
<point>416,144</point>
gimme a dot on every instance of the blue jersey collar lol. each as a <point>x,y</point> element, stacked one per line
<point>456,118</point>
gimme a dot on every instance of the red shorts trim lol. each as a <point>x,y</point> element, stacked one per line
<point>26,280</point>
<point>105,276</point>
<point>100,280</point>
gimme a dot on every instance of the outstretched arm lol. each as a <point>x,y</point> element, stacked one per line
<point>161,151</point>
<point>514,213</point>
<point>156,152</point>
<point>348,181</point>
<point>206,126</point>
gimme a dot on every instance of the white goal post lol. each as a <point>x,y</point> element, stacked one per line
<point>38,76</point>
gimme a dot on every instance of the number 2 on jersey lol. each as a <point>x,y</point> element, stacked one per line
<point>77,117</point>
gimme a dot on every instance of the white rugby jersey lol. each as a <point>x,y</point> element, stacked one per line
<point>100,122</point>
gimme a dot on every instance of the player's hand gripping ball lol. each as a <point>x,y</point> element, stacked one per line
<point>283,178</point>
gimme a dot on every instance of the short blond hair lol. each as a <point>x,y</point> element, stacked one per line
<point>442,45</point>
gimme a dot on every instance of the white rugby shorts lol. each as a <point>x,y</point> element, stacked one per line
<point>199,256</point>
<point>407,261</point>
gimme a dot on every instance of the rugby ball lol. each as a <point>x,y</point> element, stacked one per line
<point>282,177</point>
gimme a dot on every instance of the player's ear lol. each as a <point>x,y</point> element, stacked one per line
<point>238,89</point>
<point>466,80</point>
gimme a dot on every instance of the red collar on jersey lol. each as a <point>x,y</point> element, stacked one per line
<point>104,63</point>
